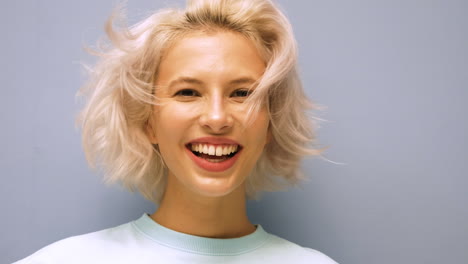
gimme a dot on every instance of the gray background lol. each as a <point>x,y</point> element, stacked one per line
<point>393,75</point>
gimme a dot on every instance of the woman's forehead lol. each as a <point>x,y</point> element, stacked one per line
<point>228,56</point>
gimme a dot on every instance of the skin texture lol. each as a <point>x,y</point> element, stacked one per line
<point>197,201</point>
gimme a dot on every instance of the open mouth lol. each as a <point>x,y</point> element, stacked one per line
<point>213,153</point>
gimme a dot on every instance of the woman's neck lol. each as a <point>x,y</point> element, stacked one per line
<point>215,217</point>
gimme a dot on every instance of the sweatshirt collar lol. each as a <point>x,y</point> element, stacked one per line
<point>201,245</point>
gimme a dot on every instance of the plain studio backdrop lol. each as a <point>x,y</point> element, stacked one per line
<point>392,74</point>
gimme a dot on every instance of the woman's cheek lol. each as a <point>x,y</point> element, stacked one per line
<point>181,111</point>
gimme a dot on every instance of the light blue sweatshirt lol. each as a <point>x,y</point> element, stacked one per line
<point>145,241</point>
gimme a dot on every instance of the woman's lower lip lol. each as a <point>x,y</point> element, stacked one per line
<point>213,166</point>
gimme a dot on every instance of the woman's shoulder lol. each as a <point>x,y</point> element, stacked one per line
<point>319,257</point>
<point>81,246</point>
<point>296,253</point>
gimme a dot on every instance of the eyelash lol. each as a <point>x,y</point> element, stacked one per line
<point>245,93</point>
<point>180,93</point>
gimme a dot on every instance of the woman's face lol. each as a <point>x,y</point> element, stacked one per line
<point>200,126</point>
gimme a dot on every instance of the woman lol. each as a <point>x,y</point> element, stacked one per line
<point>198,109</point>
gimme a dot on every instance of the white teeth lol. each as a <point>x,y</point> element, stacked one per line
<point>219,151</point>
<point>233,148</point>
<point>213,150</point>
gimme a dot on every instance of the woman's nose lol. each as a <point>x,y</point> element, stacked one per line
<point>216,117</point>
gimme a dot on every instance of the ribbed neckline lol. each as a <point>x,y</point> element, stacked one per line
<point>200,245</point>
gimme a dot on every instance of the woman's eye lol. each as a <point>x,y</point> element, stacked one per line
<point>241,93</point>
<point>187,93</point>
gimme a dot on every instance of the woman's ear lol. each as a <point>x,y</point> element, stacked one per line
<point>150,133</point>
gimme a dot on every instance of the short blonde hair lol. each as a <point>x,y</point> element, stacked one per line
<point>119,94</point>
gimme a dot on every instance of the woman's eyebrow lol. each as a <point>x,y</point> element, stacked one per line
<point>243,80</point>
<point>185,80</point>
<point>190,80</point>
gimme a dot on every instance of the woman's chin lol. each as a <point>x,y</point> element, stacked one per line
<point>217,188</point>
